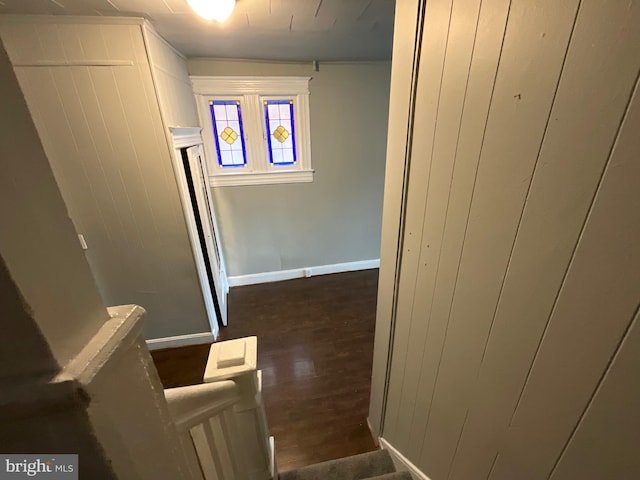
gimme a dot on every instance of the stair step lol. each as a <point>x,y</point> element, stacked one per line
<point>392,476</point>
<point>357,467</point>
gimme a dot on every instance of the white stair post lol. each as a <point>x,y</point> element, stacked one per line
<point>237,360</point>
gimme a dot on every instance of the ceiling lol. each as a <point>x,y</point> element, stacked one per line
<point>291,30</point>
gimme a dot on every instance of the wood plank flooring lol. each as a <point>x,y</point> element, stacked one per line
<point>315,348</point>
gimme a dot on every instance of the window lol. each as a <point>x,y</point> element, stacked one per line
<point>228,133</point>
<point>281,137</point>
<point>255,129</point>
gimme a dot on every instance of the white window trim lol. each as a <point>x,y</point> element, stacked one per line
<point>249,90</point>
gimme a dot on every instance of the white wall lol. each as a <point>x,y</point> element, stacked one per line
<point>169,69</point>
<point>88,85</point>
<point>335,219</point>
<point>513,313</point>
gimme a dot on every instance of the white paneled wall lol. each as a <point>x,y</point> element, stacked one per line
<point>37,41</point>
<point>88,85</point>
<point>174,87</point>
<point>517,284</point>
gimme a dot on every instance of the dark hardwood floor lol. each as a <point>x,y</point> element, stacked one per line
<point>315,349</point>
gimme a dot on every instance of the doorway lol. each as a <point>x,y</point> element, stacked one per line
<point>199,212</point>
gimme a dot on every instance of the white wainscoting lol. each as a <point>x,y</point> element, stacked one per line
<point>266,277</point>
<point>401,462</point>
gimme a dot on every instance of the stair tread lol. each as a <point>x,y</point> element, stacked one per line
<point>392,476</point>
<point>356,467</point>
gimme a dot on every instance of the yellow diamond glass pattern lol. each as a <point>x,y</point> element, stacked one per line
<point>281,134</point>
<point>229,135</point>
<point>280,123</point>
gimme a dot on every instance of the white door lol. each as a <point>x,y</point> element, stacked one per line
<point>206,212</point>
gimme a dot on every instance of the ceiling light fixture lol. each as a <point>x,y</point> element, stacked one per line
<point>218,10</point>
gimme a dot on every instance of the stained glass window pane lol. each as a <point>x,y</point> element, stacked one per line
<point>281,138</point>
<point>228,132</point>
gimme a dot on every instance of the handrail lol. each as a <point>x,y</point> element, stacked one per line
<point>193,404</point>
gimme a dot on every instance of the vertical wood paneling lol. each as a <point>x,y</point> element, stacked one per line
<point>428,92</point>
<point>91,41</point>
<point>570,166</point>
<point>525,280</point>
<point>105,139</point>
<point>70,40</point>
<point>31,41</point>
<point>151,189</point>
<point>123,42</point>
<point>85,209</point>
<point>51,306</point>
<point>134,202</point>
<point>403,71</point>
<point>51,45</point>
<point>176,95</point>
<point>521,106</point>
<point>168,206</point>
<point>177,105</point>
<point>22,42</point>
<point>597,300</point>
<point>95,226</point>
<point>456,69</point>
<point>491,28</point>
<point>37,114</point>
<point>605,443</point>
<point>109,186</point>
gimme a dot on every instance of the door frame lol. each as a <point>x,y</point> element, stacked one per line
<point>185,138</point>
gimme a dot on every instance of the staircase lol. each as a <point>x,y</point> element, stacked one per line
<point>370,466</point>
<point>222,429</point>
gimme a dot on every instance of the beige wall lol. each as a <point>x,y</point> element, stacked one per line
<point>101,129</point>
<point>336,218</point>
<point>514,310</point>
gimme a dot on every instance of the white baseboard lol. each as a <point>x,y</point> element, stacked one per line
<point>279,275</point>
<point>180,340</point>
<point>401,462</point>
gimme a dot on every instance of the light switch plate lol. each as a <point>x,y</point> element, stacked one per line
<point>83,242</point>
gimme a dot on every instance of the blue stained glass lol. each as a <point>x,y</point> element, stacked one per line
<point>281,138</point>
<point>228,132</point>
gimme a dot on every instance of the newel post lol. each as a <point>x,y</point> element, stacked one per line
<point>237,360</point>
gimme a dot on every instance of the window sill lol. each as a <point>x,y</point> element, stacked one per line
<point>266,178</point>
